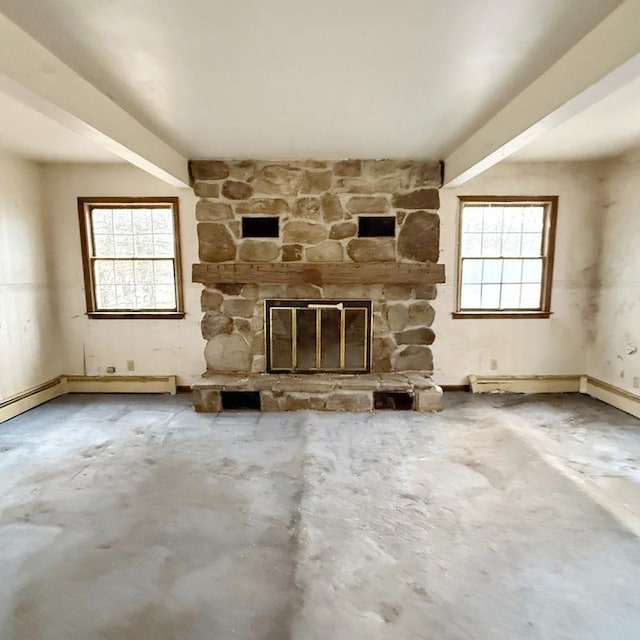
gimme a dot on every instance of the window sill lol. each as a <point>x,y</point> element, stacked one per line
<point>504,315</point>
<point>135,315</point>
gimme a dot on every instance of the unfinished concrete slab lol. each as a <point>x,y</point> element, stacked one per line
<point>132,517</point>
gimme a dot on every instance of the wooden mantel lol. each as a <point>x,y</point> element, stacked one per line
<point>209,273</point>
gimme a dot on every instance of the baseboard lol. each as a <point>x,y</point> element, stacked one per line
<point>19,403</point>
<point>525,384</point>
<point>121,384</point>
<point>616,397</point>
<point>610,394</point>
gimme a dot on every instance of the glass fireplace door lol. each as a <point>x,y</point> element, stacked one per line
<point>310,336</point>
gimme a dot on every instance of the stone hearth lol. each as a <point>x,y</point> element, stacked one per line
<point>322,392</point>
<point>350,230</point>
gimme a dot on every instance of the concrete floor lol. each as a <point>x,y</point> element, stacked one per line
<point>505,517</point>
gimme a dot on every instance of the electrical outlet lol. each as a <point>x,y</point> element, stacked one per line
<point>494,364</point>
<point>110,369</point>
<point>636,383</point>
<point>131,365</point>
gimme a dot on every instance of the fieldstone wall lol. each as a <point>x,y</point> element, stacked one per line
<point>318,204</point>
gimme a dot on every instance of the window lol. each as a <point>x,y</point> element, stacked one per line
<point>505,256</point>
<point>131,257</point>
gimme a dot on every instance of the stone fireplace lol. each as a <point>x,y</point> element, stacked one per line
<point>318,280</point>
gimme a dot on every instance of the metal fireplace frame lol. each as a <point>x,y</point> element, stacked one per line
<point>318,306</point>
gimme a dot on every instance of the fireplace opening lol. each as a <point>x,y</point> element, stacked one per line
<point>240,400</point>
<point>312,336</point>
<point>392,400</point>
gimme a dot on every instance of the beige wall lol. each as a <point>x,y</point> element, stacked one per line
<point>614,354</point>
<point>30,352</point>
<point>157,347</point>
<point>557,345</point>
<point>547,346</point>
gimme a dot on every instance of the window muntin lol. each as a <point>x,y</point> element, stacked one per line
<point>131,256</point>
<point>505,255</point>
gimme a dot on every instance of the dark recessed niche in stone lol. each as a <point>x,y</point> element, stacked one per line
<point>240,400</point>
<point>392,400</point>
<point>257,227</point>
<point>376,226</point>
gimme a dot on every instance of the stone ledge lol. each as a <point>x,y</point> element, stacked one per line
<point>404,381</point>
<point>321,392</point>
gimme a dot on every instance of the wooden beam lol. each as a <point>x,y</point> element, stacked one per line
<point>36,77</point>
<point>605,60</point>
<point>319,274</point>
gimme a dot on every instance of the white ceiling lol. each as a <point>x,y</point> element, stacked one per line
<point>294,79</point>
<point>606,129</point>
<point>28,133</point>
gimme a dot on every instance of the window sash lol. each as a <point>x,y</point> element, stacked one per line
<point>98,286</point>
<point>545,255</point>
<point>502,282</point>
<point>94,289</point>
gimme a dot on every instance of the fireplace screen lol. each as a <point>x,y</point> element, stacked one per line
<point>309,336</point>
